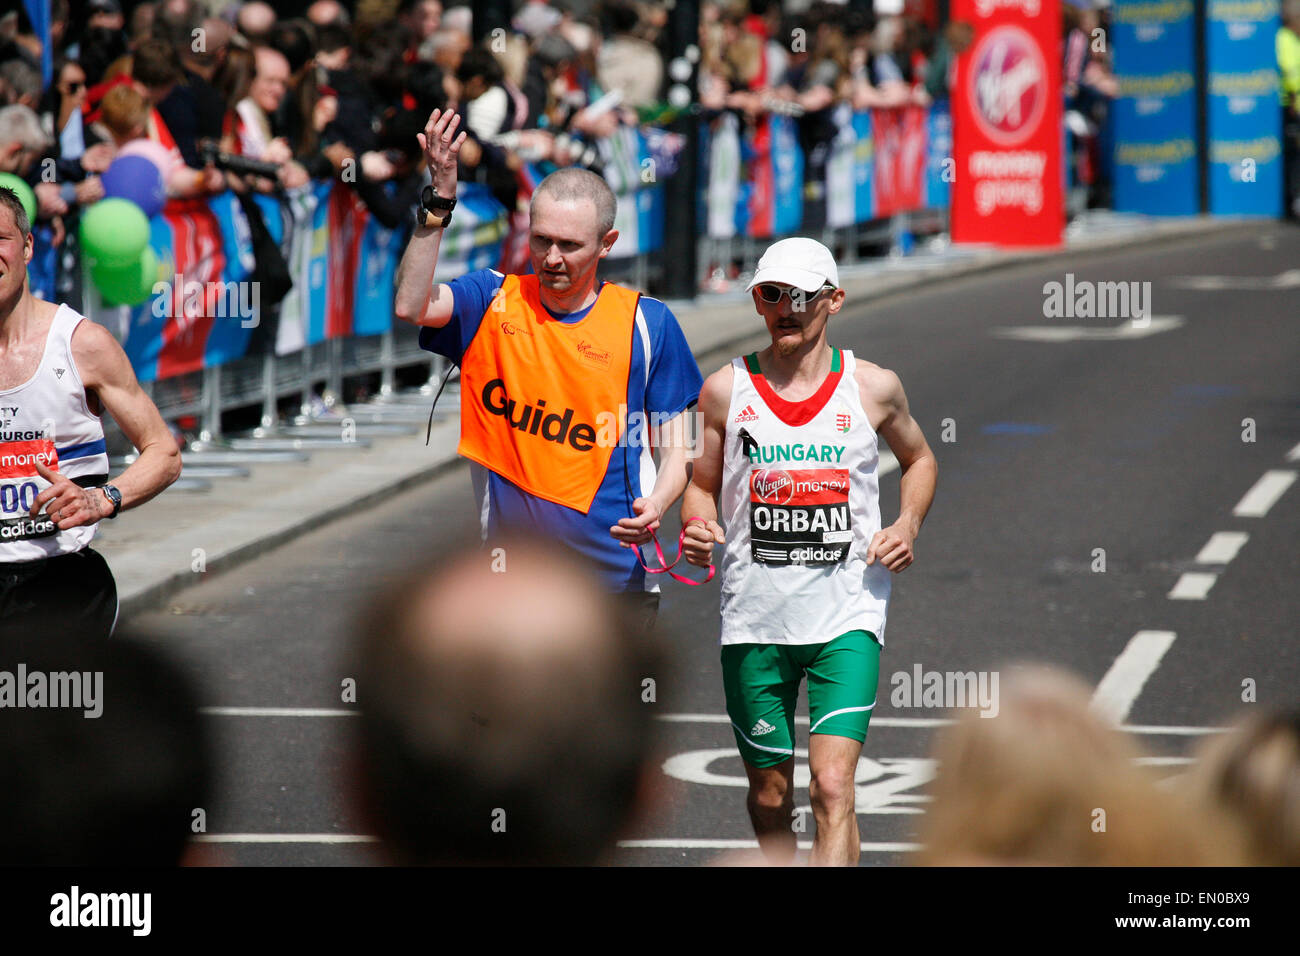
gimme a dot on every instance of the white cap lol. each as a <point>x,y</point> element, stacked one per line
<point>803,263</point>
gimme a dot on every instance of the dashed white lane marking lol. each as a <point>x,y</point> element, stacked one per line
<point>284,838</point>
<point>1117,691</point>
<point>1256,502</point>
<point>1222,547</point>
<point>276,712</point>
<point>1193,586</point>
<point>686,844</point>
<point>1293,454</point>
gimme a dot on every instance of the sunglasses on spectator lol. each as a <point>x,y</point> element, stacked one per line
<point>771,293</point>
<point>73,87</point>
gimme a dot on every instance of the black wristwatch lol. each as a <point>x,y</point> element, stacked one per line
<point>113,495</point>
<point>439,206</point>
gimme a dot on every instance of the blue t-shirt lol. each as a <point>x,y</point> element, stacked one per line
<point>671,386</point>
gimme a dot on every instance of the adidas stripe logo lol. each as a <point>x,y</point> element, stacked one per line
<point>761,728</point>
<point>748,415</point>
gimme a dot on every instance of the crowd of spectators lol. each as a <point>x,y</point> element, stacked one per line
<point>341,90</point>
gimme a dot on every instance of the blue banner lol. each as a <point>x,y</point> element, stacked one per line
<point>940,166</point>
<point>1154,115</point>
<point>237,305</point>
<point>376,274</point>
<point>787,175</point>
<point>1243,115</point>
<point>864,167</point>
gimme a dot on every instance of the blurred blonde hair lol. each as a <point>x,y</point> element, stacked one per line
<point>1252,776</point>
<point>1024,787</point>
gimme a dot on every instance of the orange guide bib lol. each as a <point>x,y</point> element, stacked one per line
<point>544,402</point>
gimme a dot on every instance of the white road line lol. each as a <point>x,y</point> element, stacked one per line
<point>1193,586</point>
<point>875,721</point>
<point>1256,502</point>
<point>1177,731</point>
<point>1293,454</point>
<point>1222,547</point>
<point>1117,691</point>
<point>1164,761</point>
<point>1150,729</point>
<point>691,844</point>
<point>275,712</point>
<point>284,838</point>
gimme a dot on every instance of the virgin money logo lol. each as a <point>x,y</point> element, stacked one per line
<point>772,486</point>
<point>1008,85</point>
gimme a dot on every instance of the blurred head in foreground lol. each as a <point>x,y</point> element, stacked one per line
<point>1048,782</point>
<point>107,759</point>
<point>1251,775</point>
<point>502,719</point>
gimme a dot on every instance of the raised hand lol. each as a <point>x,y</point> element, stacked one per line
<point>441,143</point>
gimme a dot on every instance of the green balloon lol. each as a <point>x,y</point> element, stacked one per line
<point>25,194</point>
<point>127,285</point>
<point>114,232</point>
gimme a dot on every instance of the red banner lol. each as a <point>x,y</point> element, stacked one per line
<point>1006,120</point>
<point>200,260</point>
<point>347,224</point>
<point>899,136</point>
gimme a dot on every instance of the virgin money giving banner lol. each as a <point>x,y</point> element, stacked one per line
<point>1154,43</point>
<point>1243,119</point>
<point>1006,121</point>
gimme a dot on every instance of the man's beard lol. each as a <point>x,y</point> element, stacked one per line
<point>786,346</point>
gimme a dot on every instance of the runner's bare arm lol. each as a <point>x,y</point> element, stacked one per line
<point>701,497</point>
<point>106,371</point>
<point>882,393</point>
<point>670,479</point>
<point>417,301</point>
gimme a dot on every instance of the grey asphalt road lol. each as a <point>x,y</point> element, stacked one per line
<point>1055,449</point>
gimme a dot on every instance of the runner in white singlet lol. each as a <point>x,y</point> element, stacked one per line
<point>787,482</point>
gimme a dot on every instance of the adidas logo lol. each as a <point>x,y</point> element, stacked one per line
<point>761,728</point>
<point>748,415</point>
<point>58,372</point>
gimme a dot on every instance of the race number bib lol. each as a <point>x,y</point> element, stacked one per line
<point>799,516</point>
<point>19,486</point>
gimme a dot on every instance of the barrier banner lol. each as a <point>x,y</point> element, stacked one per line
<point>376,276</point>
<point>722,198</point>
<point>775,196</point>
<point>1006,115</point>
<point>347,218</point>
<point>297,244</point>
<point>1155,113</point>
<point>900,147</point>
<point>203,309</point>
<point>939,164</point>
<point>633,175</point>
<point>864,168</point>
<point>841,189</point>
<point>1243,112</point>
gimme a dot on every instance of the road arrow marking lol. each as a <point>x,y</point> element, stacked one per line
<point>1290,279</point>
<point>1136,329</point>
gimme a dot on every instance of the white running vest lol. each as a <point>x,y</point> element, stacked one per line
<point>800,503</point>
<point>47,419</point>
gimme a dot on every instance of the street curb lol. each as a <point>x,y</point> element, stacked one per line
<point>861,289</point>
